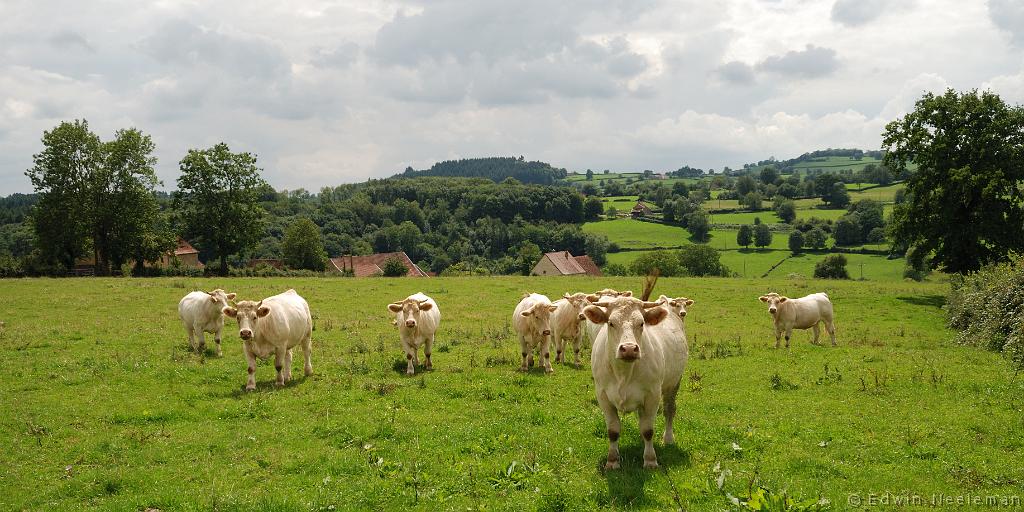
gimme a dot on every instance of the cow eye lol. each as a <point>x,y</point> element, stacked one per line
<point>610,324</point>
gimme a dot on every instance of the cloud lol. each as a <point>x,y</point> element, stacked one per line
<point>811,62</point>
<point>1008,15</point>
<point>69,39</point>
<point>736,72</point>
<point>857,12</point>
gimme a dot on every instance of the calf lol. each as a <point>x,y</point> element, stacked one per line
<point>417,318</point>
<point>565,324</point>
<point>803,313</point>
<point>676,307</point>
<point>274,325</point>
<point>532,321</point>
<point>637,361</point>
<point>200,312</point>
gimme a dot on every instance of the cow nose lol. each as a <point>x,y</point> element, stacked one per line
<point>682,313</point>
<point>245,334</point>
<point>547,332</point>
<point>629,351</point>
<point>410,323</point>
<point>771,310</point>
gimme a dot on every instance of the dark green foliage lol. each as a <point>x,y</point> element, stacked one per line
<point>393,267</point>
<point>303,247</point>
<point>796,241</point>
<point>615,269</point>
<point>217,198</point>
<point>495,169</point>
<point>815,239</point>
<point>745,185</point>
<point>593,208</point>
<point>847,230</point>
<point>762,235</point>
<point>751,201</point>
<point>840,197</point>
<point>964,202</point>
<point>832,266</point>
<point>667,263</point>
<point>768,175</point>
<point>869,214</point>
<point>699,225</point>
<point>786,210</point>
<point>745,236</point>
<point>701,260</point>
<point>987,307</point>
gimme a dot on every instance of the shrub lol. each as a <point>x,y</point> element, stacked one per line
<point>698,224</point>
<point>665,261</point>
<point>701,260</point>
<point>987,307</point>
<point>876,236</point>
<point>615,269</point>
<point>796,241</point>
<point>394,267</point>
<point>786,210</point>
<point>832,266</point>
<point>815,239</point>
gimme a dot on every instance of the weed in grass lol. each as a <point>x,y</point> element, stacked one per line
<point>831,376</point>
<point>777,383</point>
<point>382,388</point>
<point>696,381</point>
<point>443,348</point>
<point>876,382</point>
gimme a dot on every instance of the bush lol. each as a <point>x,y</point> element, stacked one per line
<point>876,236</point>
<point>786,210</point>
<point>615,269</point>
<point>796,242</point>
<point>815,239</point>
<point>665,261</point>
<point>10,266</point>
<point>832,266</point>
<point>987,307</point>
<point>698,224</point>
<point>701,260</point>
<point>394,267</point>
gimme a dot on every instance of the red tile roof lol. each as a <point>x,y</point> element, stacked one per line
<point>565,263</point>
<point>366,266</point>
<point>588,265</point>
<point>184,248</point>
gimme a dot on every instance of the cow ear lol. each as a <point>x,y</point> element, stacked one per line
<point>783,299</point>
<point>426,306</point>
<point>673,303</point>
<point>654,316</point>
<point>596,314</point>
<point>229,311</point>
<point>552,308</point>
<point>763,298</point>
<point>689,302</point>
<point>592,297</point>
<point>626,294</point>
<point>528,312</point>
<point>213,298</point>
<point>231,296</point>
<point>263,311</point>
<point>394,308</point>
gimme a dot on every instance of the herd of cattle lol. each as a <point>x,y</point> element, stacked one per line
<point>638,355</point>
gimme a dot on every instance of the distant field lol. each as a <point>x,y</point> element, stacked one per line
<point>881,194</point>
<point>835,164</point>
<point>621,203</point>
<point>629,233</point>
<point>766,216</point>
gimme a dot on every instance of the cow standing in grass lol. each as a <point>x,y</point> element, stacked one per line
<point>274,325</point>
<point>803,313</point>
<point>637,361</point>
<point>565,324</point>
<point>677,306</point>
<point>200,312</point>
<point>417,318</point>
<point>532,322</point>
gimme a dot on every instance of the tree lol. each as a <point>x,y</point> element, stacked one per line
<point>752,201</point>
<point>701,260</point>
<point>611,212</point>
<point>668,211</point>
<point>303,247</point>
<point>796,241</point>
<point>218,194</point>
<point>965,203</point>
<point>745,236</point>
<point>699,225</point>
<point>786,210</point>
<point>788,191</point>
<point>815,239</point>
<point>745,185</point>
<point>394,267</point>
<point>592,208</point>
<point>762,235</point>
<point>527,256</point>
<point>769,175</point>
<point>840,197</point>
<point>824,186</point>
<point>870,213</point>
<point>590,175</point>
<point>847,230</point>
<point>833,266</point>
<point>666,262</point>
<point>61,175</point>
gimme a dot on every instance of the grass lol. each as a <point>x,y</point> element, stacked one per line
<point>635,234</point>
<point>105,409</point>
<point>622,203</point>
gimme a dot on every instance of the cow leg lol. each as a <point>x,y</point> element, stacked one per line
<point>525,349</point>
<point>427,350</point>
<point>216,338</point>
<point>250,385</point>
<point>817,331</point>
<point>288,366</point>
<point>279,355</point>
<point>669,397</point>
<point>202,339</point>
<point>830,326</point>
<point>545,354</point>
<point>559,347</point>
<point>410,358</point>
<point>647,414</point>
<point>778,336</point>
<point>307,352</point>
<point>614,426</point>
<point>789,333</point>
<point>191,338</point>
<point>576,342</point>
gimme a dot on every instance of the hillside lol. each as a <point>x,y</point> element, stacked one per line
<point>493,168</point>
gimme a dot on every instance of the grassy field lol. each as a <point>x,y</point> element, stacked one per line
<point>635,234</point>
<point>106,408</point>
<point>836,164</point>
<point>622,203</point>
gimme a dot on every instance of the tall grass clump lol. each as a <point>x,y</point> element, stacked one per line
<point>987,308</point>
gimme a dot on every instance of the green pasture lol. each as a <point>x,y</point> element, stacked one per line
<point>635,234</point>
<point>107,409</point>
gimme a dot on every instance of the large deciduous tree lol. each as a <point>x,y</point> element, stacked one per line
<point>218,197</point>
<point>965,200</point>
<point>303,246</point>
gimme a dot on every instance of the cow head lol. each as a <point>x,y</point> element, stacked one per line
<point>676,306</point>
<point>578,301</point>
<point>246,312</point>
<point>539,317</point>
<point>774,300</point>
<point>607,293</point>
<point>626,318</point>
<point>408,312</point>
<point>220,297</point>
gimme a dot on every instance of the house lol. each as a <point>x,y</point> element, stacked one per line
<point>185,253</point>
<point>562,263</point>
<point>373,265</point>
<point>641,210</point>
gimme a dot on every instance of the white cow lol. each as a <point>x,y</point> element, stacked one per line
<point>677,306</point>
<point>803,313</point>
<point>417,318</point>
<point>200,312</point>
<point>607,293</point>
<point>532,321</point>
<point>274,325</point>
<point>565,324</point>
<point>637,360</point>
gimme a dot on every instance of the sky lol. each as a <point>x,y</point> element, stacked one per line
<point>332,92</point>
